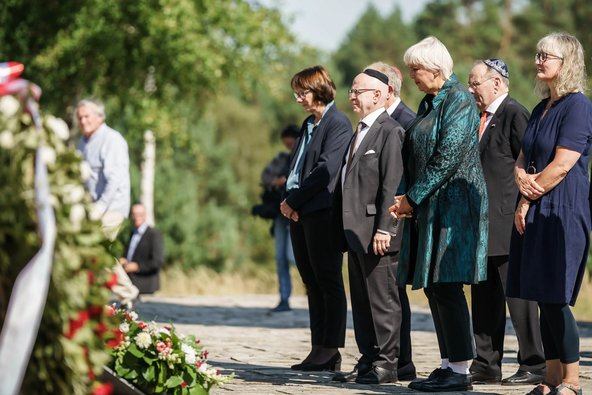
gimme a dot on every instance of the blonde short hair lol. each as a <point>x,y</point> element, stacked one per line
<point>572,75</point>
<point>431,54</point>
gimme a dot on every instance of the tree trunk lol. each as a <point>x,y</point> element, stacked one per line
<point>147,183</point>
<point>506,23</point>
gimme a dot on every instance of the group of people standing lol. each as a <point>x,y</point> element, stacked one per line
<point>470,190</point>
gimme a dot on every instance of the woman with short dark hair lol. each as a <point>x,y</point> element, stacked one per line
<point>314,170</point>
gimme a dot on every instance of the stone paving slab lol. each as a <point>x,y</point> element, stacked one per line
<point>242,337</point>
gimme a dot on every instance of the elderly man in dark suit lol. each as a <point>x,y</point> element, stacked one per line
<point>503,121</point>
<point>370,175</point>
<point>144,254</point>
<point>399,111</point>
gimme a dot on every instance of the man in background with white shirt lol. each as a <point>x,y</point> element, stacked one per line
<point>144,254</point>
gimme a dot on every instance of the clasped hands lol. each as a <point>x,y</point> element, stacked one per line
<point>530,190</point>
<point>129,267</point>
<point>527,184</point>
<point>288,212</point>
<point>401,208</point>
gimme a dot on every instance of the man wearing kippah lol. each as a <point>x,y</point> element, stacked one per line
<point>503,121</point>
<point>371,172</point>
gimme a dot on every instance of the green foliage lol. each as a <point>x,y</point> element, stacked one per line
<point>69,350</point>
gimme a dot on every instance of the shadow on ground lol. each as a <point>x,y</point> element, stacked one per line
<point>244,316</point>
<point>286,378</point>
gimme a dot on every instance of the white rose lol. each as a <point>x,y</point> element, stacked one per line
<point>203,368</point>
<point>190,357</point>
<point>77,215</point>
<point>6,139</point>
<point>73,193</point>
<point>124,327</point>
<point>48,155</point>
<point>9,106</point>
<point>165,331</point>
<point>143,340</point>
<point>85,170</point>
<point>58,126</point>
<point>133,315</point>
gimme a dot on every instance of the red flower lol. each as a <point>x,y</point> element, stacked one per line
<point>112,343</point>
<point>112,281</point>
<point>101,328</point>
<point>110,311</point>
<point>142,325</point>
<point>95,311</point>
<point>103,389</point>
<point>77,323</point>
<point>183,384</point>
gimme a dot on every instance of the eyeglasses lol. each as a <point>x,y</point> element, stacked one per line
<point>542,57</point>
<point>356,92</point>
<point>301,95</point>
<point>475,84</point>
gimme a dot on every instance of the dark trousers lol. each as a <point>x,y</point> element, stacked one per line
<point>319,262</point>
<point>376,308</point>
<point>560,333</point>
<point>489,323</point>
<point>452,321</point>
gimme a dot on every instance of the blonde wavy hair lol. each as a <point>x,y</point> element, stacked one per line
<point>572,74</point>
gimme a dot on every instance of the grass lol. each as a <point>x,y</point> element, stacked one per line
<point>252,279</point>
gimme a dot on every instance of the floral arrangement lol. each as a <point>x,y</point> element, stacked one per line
<point>69,352</point>
<point>157,359</point>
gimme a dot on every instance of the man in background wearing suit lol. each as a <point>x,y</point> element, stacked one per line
<point>144,254</point>
<point>370,175</point>
<point>394,105</point>
<point>503,121</point>
<point>404,116</point>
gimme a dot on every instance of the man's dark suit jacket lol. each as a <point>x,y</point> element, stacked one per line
<point>370,185</point>
<point>499,147</point>
<point>322,162</point>
<point>404,115</point>
<point>149,255</point>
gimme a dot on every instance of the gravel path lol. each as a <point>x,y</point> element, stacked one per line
<point>242,337</point>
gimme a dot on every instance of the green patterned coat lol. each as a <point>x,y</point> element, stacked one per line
<point>444,178</point>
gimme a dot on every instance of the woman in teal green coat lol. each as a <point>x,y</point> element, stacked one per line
<point>445,239</point>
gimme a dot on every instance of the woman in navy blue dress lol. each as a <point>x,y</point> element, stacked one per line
<point>550,240</point>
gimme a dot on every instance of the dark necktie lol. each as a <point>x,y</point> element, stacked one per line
<point>352,146</point>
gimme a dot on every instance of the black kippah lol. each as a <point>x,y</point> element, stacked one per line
<point>378,75</point>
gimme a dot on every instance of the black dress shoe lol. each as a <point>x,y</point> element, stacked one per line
<point>360,369</point>
<point>378,375</point>
<point>435,373</point>
<point>484,378</point>
<point>446,381</point>
<point>406,372</point>
<point>297,366</point>
<point>523,377</point>
<point>333,364</point>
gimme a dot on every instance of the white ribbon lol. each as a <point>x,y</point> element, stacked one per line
<point>29,294</point>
